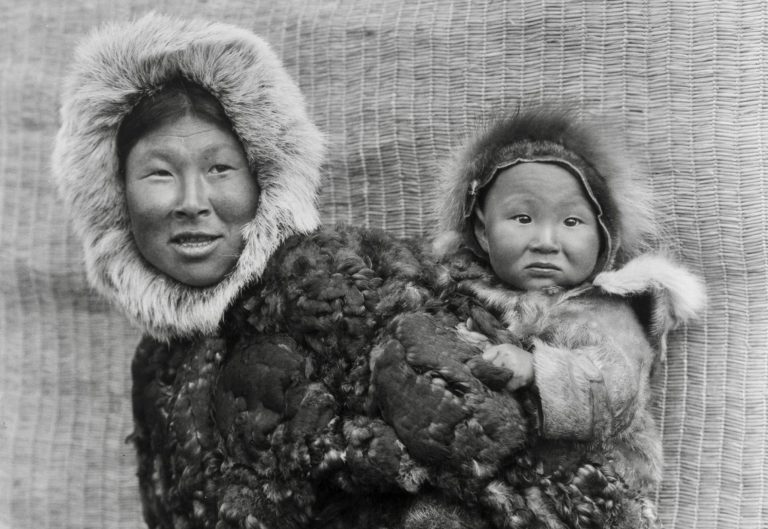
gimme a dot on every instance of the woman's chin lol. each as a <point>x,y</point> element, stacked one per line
<point>199,275</point>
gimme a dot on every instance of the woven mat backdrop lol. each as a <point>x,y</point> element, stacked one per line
<point>394,83</point>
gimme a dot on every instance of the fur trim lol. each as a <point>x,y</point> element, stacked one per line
<point>685,292</point>
<point>556,133</point>
<point>113,69</point>
<point>677,295</point>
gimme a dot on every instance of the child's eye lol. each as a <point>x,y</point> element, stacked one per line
<point>572,221</point>
<point>522,219</point>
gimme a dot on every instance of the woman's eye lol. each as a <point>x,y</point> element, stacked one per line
<point>220,168</point>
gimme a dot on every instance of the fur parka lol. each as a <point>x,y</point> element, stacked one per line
<point>593,346</point>
<point>254,400</point>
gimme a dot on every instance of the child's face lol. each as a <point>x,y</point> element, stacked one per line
<point>538,227</point>
<point>190,192</point>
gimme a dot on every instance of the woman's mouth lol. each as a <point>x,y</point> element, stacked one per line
<point>194,245</point>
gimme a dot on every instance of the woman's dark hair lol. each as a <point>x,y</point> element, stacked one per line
<point>174,100</point>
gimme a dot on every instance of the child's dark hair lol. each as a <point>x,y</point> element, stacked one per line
<point>174,100</point>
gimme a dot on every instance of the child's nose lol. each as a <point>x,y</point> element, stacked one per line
<point>545,240</point>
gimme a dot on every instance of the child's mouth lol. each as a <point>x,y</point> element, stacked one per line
<point>546,267</point>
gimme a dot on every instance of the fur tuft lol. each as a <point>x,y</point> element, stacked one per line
<point>113,69</point>
<point>677,296</point>
<point>683,291</point>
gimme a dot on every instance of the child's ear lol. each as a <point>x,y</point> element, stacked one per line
<point>479,227</point>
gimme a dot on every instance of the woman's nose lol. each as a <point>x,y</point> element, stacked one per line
<point>193,198</point>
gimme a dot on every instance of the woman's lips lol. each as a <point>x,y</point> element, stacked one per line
<point>195,245</point>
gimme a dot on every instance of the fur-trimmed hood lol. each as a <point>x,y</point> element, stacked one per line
<point>113,68</point>
<point>548,134</point>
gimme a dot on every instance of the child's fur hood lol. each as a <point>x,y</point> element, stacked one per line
<point>113,68</point>
<point>548,134</point>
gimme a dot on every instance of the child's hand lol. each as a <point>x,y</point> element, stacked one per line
<point>511,357</point>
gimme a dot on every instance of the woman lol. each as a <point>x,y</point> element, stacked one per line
<point>191,170</point>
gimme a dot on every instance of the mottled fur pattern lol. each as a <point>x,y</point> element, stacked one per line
<point>276,424</point>
<point>227,448</point>
<point>113,68</point>
<point>280,422</point>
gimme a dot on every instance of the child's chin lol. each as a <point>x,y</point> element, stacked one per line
<point>541,284</point>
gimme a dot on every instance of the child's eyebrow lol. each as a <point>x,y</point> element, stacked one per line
<point>577,206</point>
<point>575,202</point>
<point>519,198</point>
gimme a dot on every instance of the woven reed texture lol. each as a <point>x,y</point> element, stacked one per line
<point>394,84</point>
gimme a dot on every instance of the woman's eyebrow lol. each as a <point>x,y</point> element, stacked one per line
<point>159,152</point>
<point>154,153</point>
<point>216,148</point>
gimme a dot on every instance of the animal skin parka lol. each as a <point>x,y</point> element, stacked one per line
<point>255,400</point>
<point>594,345</point>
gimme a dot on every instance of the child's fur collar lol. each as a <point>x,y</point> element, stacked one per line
<point>671,294</point>
<point>112,70</point>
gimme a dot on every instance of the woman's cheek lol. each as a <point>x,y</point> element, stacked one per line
<point>236,204</point>
<point>149,209</point>
<point>149,200</point>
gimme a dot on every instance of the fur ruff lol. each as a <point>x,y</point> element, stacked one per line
<point>557,133</point>
<point>113,69</point>
<point>677,295</point>
<point>657,274</point>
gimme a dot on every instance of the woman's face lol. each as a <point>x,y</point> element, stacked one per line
<point>190,192</point>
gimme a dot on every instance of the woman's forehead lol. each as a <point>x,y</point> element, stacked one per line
<point>187,136</point>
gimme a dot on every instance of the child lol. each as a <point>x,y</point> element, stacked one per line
<point>546,226</point>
